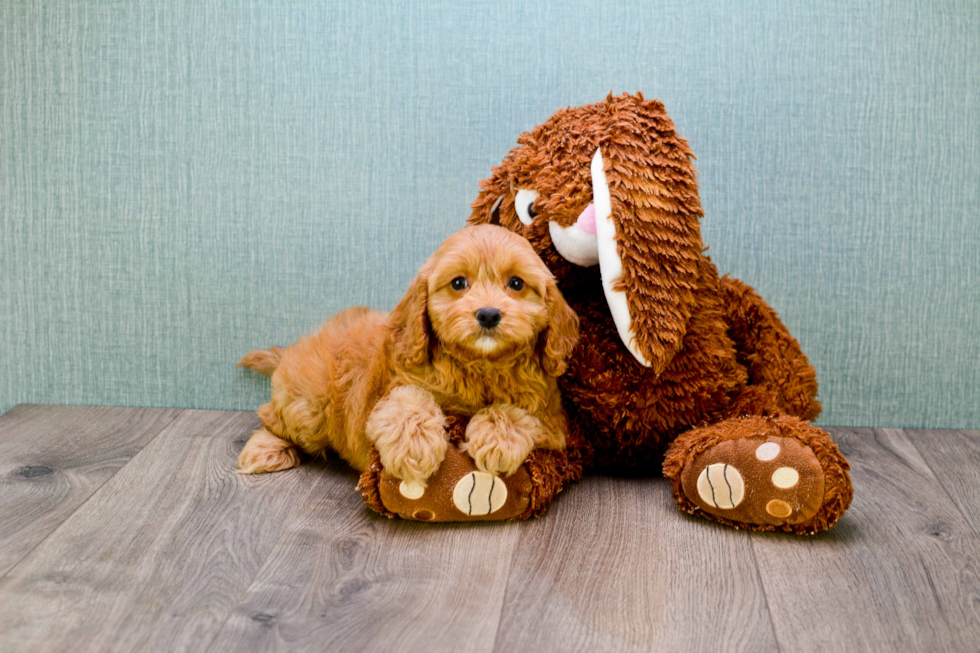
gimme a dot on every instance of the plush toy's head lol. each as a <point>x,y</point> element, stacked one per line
<point>609,189</point>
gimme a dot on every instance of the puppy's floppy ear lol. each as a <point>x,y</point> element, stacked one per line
<point>559,338</point>
<point>410,319</point>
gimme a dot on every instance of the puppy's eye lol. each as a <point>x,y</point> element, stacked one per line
<point>516,283</point>
<point>458,283</point>
<point>524,205</point>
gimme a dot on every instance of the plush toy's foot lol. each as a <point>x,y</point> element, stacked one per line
<point>760,473</point>
<point>459,492</point>
<point>456,492</point>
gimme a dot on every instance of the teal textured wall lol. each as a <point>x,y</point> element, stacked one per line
<point>181,182</point>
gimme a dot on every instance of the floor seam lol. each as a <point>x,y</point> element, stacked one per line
<point>765,595</point>
<point>510,575</point>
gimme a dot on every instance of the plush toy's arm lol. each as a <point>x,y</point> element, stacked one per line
<point>775,362</point>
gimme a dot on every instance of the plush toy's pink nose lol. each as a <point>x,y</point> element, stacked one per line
<point>586,220</point>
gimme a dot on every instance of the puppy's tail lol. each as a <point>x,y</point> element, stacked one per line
<point>263,361</point>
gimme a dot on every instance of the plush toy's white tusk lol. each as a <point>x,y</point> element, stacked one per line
<point>610,265</point>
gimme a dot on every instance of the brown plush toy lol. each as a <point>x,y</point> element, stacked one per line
<point>676,368</point>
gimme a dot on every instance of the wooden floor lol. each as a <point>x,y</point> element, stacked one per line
<point>127,529</point>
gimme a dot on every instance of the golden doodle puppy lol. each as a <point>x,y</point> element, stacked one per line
<point>483,333</point>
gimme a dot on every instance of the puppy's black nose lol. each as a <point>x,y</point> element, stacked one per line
<point>488,317</point>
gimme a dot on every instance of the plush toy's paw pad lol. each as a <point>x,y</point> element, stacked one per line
<point>457,492</point>
<point>480,493</point>
<point>762,480</point>
<point>411,489</point>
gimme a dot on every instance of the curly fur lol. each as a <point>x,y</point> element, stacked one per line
<point>500,437</point>
<point>390,381</point>
<point>409,431</point>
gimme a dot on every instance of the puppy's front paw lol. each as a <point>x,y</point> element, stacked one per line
<point>499,438</point>
<point>409,431</point>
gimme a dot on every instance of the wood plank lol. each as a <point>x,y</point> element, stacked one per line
<point>157,558</point>
<point>53,458</point>
<point>345,579</point>
<point>615,566</point>
<point>175,551</point>
<point>954,457</point>
<point>900,571</point>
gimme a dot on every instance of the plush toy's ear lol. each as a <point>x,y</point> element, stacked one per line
<point>647,212</point>
<point>561,335</point>
<point>495,211</point>
<point>410,319</point>
<point>494,193</point>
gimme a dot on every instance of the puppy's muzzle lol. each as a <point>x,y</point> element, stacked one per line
<point>488,318</point>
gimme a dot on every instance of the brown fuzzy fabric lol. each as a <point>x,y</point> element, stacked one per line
<point>369,484</point>
<point>717,351</point>
<point>551,471</point>
<point>837,492</point>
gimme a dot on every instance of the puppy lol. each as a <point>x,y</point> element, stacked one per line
<point>483,332</point>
